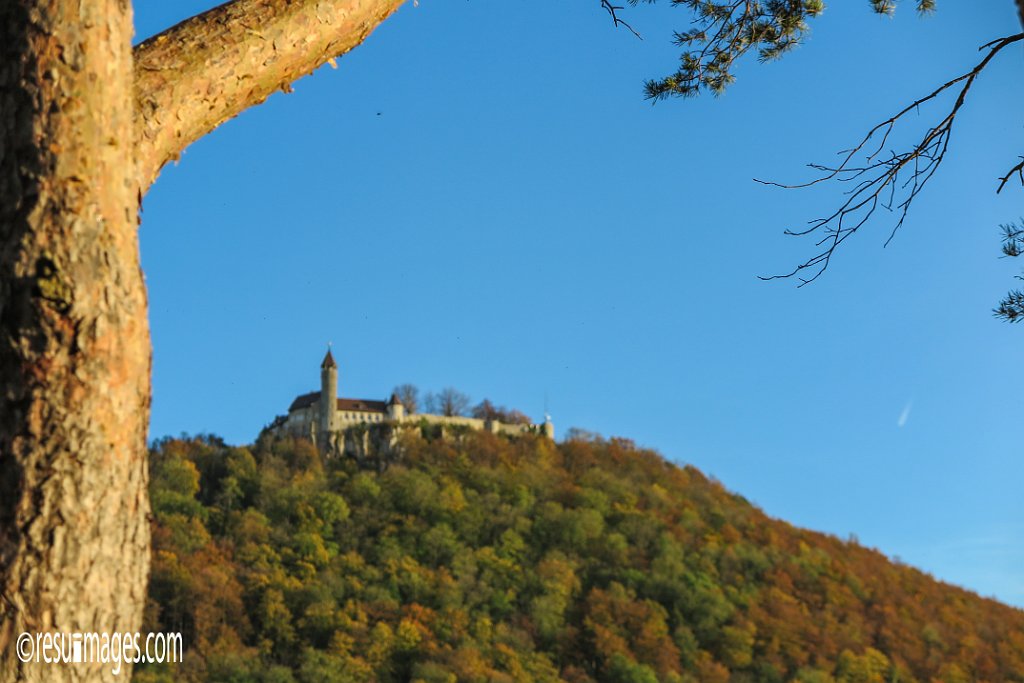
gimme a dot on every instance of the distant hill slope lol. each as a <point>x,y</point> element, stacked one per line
<point>478,558</point>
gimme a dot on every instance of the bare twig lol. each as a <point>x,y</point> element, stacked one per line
<point>877,180</point>
<point>1017,170</point>
<point>613,11</point>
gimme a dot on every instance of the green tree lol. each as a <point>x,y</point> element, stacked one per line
<point>870,667</point>
<point>622,670</point>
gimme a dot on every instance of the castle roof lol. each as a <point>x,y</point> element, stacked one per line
<point>304,401</point>
<point>328,360</point>
<point>363,405</point>
<point>393,401</point>
<point>355,405</point>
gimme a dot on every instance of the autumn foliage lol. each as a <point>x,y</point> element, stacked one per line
<point>480,558</point>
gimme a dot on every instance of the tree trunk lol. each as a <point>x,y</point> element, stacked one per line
<point>74,338</point>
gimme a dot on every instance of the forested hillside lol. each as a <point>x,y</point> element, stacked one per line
<point>478,558</point>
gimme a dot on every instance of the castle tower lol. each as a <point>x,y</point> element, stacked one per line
<point>328,399</point>
<point>396,411</point>
<point>549,427</point>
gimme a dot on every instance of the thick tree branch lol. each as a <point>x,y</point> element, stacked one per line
<point>202,72</point>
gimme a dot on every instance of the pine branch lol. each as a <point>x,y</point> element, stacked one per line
<point>723,33</point>
<point>1011,308</point>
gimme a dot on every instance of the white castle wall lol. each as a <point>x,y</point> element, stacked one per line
<point>327,425</point>
<point>301,420</point>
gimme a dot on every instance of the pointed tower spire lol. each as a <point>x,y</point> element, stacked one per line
<point>328,359</point>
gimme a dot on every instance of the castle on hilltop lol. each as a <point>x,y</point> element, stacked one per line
<point>340,425</point>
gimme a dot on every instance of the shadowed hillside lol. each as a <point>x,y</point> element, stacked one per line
<point>479,558</point>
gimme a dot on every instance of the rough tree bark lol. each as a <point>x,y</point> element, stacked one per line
<point>83,132</point>
<point>74,339</point>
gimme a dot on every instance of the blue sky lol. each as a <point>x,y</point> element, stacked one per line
<point>480,197</point>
